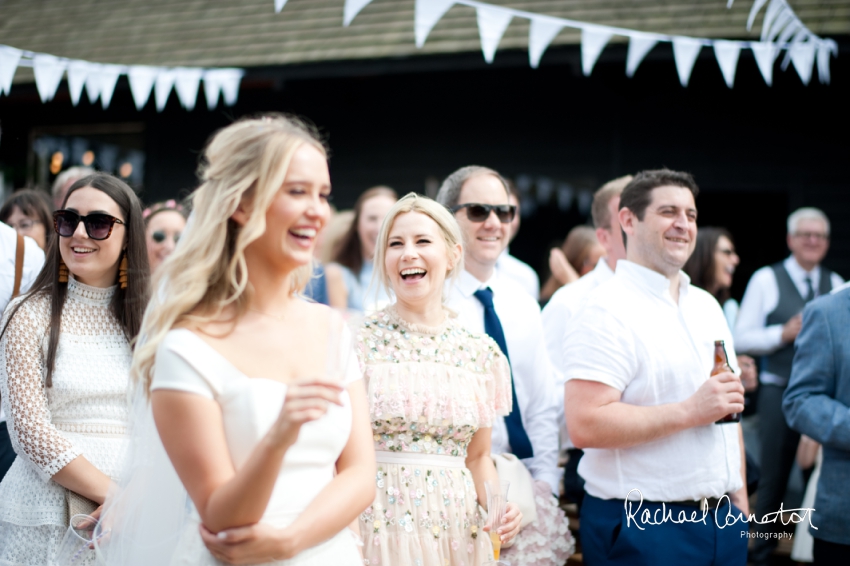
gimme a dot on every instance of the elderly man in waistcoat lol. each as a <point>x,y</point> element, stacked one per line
<point>768,323</point>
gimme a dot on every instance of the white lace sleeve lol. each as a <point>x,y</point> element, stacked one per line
<point>24,397</point>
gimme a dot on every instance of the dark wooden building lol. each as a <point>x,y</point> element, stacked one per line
<point>406,117</point>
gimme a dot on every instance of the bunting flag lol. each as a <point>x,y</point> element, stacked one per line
<point>727,53</point>
<point>108,77</point>
<point>781,30</point>
<point>162,87</point>
<point>351,9</point>
<point>426,16</point>
<point>48,72</point>
<point>142,80</point>
<point>639,45</point>
<point>9,59</point>
<point>99,80</point>
<point>765,54</point>
<point>78,71</point>
<point>540,34</point>
<point>803,56</point>
<point>492,23</point>
<point>593,41</point>
<point>187,81</point>
<point>685,52</point>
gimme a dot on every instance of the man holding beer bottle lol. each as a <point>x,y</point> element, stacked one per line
<point>641,399</point>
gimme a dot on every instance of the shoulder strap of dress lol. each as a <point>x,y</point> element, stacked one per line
<point>19,266</point>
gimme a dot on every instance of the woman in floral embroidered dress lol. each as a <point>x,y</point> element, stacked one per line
<point>434,389</point>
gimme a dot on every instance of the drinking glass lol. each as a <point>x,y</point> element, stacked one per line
<point>76,546</point>
<point>497,501</point>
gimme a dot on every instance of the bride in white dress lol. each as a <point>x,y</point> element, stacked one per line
<point>274,453</point>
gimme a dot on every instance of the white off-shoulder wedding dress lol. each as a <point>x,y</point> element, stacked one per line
<point>140,530</point>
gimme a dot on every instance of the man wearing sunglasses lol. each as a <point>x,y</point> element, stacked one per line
<point>489,302</point>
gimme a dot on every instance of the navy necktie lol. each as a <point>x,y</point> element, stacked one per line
<point>517,436</point>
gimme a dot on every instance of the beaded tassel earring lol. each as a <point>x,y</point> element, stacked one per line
<point>122,272</point>
<point>63,271</point>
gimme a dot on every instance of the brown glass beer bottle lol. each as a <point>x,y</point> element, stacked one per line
<point>721,364</point>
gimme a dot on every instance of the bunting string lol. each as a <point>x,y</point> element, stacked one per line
<point>782,30</point>
<point>99,80</point>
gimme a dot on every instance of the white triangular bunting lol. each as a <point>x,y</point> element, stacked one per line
<point>785,17</point>
<point>218,81</point>
<point>593,41</point>
<point>77,73</point>
<point>426,16</point>
<point>48,73</point>
<point>803,57</point>
<point>639,45</point>
<point>141,80</point>
<point>186,82</point>
<point>230,85</point>
<point>765,53</point>
<point>93,82</point>
<point>162,87</point>
<point>492,23</point>
<point>351,9</point>
<point>793,27</point>
<point>757,5</point>
<point>9,59</point>
<point>802,34</point>
<point>685,52</point>
<point>770,14</point>
<point>540,34</point>
<point>824,51</point>
<point>727,53</point>
<point>278,5</point>
<point>108,79</point>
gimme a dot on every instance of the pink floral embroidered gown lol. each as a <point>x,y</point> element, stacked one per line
<point>430,390</point>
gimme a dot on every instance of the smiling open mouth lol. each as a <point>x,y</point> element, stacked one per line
<point>303,233</point>
<point>79,250</point>
<point>413,274</point>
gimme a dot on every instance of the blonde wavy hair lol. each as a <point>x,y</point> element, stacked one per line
<point>244,163</point>
<point>449,229</point>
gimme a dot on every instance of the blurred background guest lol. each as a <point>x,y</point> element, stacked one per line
<point>711,267</point>
<point>29,212</point>
<point>511,267</point>
<point>64,181</point>
<point>357,246</point>
<point>577,256</point>
<point>327,285</point>
<point>164,223</point>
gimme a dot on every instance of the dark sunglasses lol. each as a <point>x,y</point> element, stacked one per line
<point>159,236</point>
<point>98,226</point>
<point>481,212</point>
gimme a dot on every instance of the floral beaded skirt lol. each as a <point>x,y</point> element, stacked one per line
<point>425,513</point>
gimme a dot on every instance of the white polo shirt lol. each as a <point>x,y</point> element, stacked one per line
<point>530,367</point>
<point>633,337</point>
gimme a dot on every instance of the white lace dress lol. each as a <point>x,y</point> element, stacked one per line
<point>430,390</point>
<point>84,413</point>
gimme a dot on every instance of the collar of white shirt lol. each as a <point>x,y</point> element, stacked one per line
<point>603,271</point>
<point>467,283</point>
<point>651,281</point>
<point>798,274</point>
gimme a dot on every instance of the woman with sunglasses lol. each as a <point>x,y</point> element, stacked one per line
<point>64,368</point>
<point>164,223</point>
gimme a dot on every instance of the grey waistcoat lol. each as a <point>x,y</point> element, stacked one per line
<point>790,303</point>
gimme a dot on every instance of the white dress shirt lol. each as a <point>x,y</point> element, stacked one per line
<point>633,337</point>
<point>33,261</point>
<point>563,305</point>
<point>520,272</point>
<point>530,367</point>
<point>752,335</point>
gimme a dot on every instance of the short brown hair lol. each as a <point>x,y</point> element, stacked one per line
<point>602,197</point>
<point>449,193</point>
<point>638,193</point>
